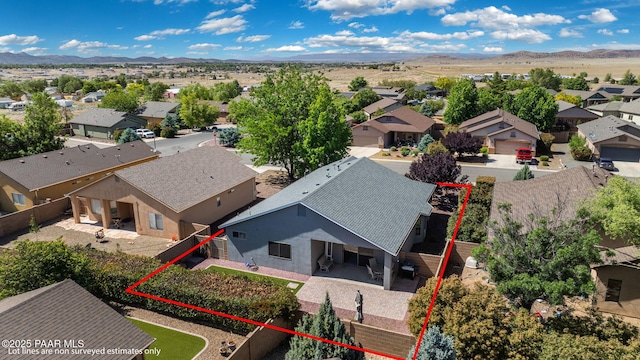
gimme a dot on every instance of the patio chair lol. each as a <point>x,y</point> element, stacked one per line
<point>374,275</point>
<point>375,266</point>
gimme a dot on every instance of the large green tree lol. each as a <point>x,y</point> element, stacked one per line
<point>11,145</point>
<point>34,86</point>
<point>42,126</point>
<point>293,120</point>
<point>155,91</point>
<point>535,105</point>
<point>616,208</point>
<point>325,324</point>
<point>575,83</point>
<point>357,83</point>
<point>545,78</point>
<point>120,100</point>
<point>10,89</point>
<point>226,91</point>
<point>543,258</point>
<point>462,102</point>
<point>196,113</point>
<point>35,264</point>
<point>628,78</point>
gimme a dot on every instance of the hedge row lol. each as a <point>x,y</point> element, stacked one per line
<point>229,294</point>
<point>473,227</point>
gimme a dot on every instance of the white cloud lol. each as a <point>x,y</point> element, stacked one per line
<point>90,46</point>
<point>437,12</point>
<point>233,48</point>
<point>505,7</point>
<point>605,32</point>
<point>160,34</point>
<point>196,53</point>
<point>296,25</point>
<point>224,25</point>
<point>144,37</point>
<point>446,47</point>
<point>355,25</point>
<point>214,14</point>
<point>33,49</point>
<point>224,2</point>
<point>244,8</point>
<point>287,48</point>
<point>623,31</point>
<point>491,49</point>
<point>370,30</point>
<point>600,16</point>
<point>204,47</point>
<point>344,33</point>
<point>14,39</point>
<point>179,2</point>
<point>342,10</point>
<point>423,35</point>
<point>496,19</point>
<point>525,35</point>
<point>564,32</point>
<point>324,40</point>
<point>252,38</point>
<point>148,46</point>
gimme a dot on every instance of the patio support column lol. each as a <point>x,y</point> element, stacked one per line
<point>386,277</point>
<point>106,214</point>
<point>75,208</point>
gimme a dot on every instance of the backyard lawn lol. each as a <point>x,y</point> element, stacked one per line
<point>253,276</point>
<point>173,345</point>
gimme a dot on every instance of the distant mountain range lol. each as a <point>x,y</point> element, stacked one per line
<point>26,59</point>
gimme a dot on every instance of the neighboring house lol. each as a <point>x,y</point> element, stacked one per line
<point>384,104</point>
<point>631,111</point>
<point>350,211</point>
<point>395,93</point>
<point>502,132</point>
<point>613,138</point>
<point>102,123</point>
<point>94,96</point>
<point>155,111</point>
<point>431,90</point>
<point>164,197</point>
<point>590,98</point>
<point>627,92</point>
<point>171,93</point>
<point>32,180</point>
<point>5,102</point>
<point>568,117</point>
<point>617,281</point>
<point>50,90</point>
<point>223,109</point>
<point>606,109</point>
<point>64,312</point>
<point>402,125</point>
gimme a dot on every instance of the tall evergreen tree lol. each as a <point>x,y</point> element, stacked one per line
<point>327,325</point>
<point>434,346</point>
<point>524,173</point>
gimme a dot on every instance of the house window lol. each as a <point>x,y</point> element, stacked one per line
<point>513,134</point>
<point>302,211</point>
<point>418,229</point>
<point>239,234</point>
<point>218,202</point>
<point>96,206</point>
<point>155,221</point>
<point>18,199</point>
<point>630,117</point>
<point>280,250</point>
<point>613,290</point>
<point>365,128</point>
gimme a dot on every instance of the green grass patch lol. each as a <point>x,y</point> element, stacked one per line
<point>258,277</point>
<point>173,345</point>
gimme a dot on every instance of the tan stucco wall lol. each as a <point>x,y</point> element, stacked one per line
<point>208,211</point>
<point>6,200</point>
<point>629,304</point>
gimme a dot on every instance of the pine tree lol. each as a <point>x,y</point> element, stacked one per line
<point>524,173</point>
<point>434,346</point>
<point>425,109</point>
<point>327,325</point>
<point>424,142</point>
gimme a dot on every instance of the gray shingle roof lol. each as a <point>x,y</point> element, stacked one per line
<point>608,127</point>
<point>632,107</point>
<point>380,104</point>
<point>100,117</point>
<point>66,311</point>
<point>369,200</point>
<point>608,106</point>
<point>540,195</point>
<point>157,109</point>
<point>188,178</point>
<point>498,116</point>
<point>570,111</point>
<point>626,254</point>
<point>413,121</point>
<point>585,94</point>
<point>38,171</point>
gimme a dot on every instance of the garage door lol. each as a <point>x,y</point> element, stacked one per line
<point>366,141</point>
<point>510,146</point>
<point>620,154</point>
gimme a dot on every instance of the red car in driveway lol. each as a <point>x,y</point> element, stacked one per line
<point>523,155</point>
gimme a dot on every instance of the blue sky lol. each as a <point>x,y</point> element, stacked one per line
<point>256,29</point>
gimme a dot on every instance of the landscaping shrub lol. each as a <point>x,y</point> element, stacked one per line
<point>415,152</point>
<point>473,227</point>
<point>230,294</point>
<point>484,151</point>
<point>157,129</point>
<point>544,158</point>
<point>405,151</point>
<point>168,132</point>
<point>384,153</point>
<point>547,140</point>
<point>579,149</point>
<point>545,163</point>
<point>116,134</point>
<point>436,147</point>
<point>393,148</point>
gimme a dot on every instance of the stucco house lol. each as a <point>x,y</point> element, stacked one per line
<point>627,92</point>
<point>155,111</point>
<point>612,137</point>
<point>617,281</point>
<point>590,98</point>
<point>400,125</point>
<point>67,313</point>
<point>567,119</point>
<point>606,109</point>
<point>384,104</point>
<point>630,111</point>
<point>502,132</point>
<point>396,93</point>
<point>102,123</point>
<point>164,197</point>
<point>32,180</point>
<point>349,211</point>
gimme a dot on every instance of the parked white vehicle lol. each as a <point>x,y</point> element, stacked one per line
<point>145,133</point>
<point>20,105</point>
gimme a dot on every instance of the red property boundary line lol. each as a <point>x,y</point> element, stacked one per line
<point>131,290</point>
